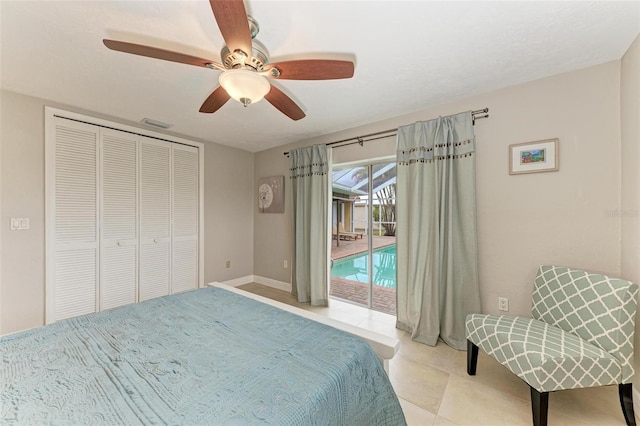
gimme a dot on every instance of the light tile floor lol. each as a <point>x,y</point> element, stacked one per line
<point>434,388</point>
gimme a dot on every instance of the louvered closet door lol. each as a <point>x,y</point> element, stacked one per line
<point>185,218</point>
<point>119,251</point>
<point>75,266</point>
<point>155,218</point>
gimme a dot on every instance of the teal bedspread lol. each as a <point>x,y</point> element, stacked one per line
<point>204,357</point>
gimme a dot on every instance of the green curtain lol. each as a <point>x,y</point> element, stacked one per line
<point>436,236</point>
<point>309,173</point>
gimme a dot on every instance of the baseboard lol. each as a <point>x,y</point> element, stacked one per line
<point>280,285</point>
<point>236,282</point>
<point>269,282</point>
<point>636,403</point>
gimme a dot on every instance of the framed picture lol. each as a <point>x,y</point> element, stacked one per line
<point>533,157</point>
<point>271,194</point>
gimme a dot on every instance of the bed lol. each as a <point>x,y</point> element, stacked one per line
<point>207,356</point>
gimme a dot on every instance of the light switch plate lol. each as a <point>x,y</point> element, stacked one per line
<point>19,223</point>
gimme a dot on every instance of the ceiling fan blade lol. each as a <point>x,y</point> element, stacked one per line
<point>154,52</point>
<point>312,69</point>
<point>284,103</point>
<point>232,20</point>
<point>216,99</point>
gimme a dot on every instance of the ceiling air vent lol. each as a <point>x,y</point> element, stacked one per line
<point>155,123</point>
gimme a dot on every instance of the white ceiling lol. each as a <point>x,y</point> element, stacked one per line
<point>408,55</point>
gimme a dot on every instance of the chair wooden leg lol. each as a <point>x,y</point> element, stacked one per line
<point>539,407</point>
<point>626,400</point>
<point>472,358</point>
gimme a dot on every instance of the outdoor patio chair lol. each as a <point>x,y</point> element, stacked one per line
<point>355,235</point>
<point>345,236</point>
<point>581,335</point>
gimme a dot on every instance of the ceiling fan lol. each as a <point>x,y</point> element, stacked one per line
<point>245,67</point>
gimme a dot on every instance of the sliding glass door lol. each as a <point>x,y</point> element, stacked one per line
<point>363,255</point>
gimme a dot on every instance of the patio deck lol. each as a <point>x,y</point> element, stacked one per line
<point>361,245</point>
<point>383,299</point>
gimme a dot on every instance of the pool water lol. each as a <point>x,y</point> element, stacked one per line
<point>355,267</point>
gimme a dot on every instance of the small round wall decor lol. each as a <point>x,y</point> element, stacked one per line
<point>271,194</point>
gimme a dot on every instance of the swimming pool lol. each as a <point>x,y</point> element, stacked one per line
<point>355,267</point>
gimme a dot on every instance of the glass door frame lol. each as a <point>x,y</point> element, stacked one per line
<point>369,165</point>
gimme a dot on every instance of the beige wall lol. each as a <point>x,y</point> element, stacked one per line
<point>228,210</point>
<point>630,120</point>
<point>630,206</point>
<point>525,220</point>
<point>272,231</point>
<point>22,169</point>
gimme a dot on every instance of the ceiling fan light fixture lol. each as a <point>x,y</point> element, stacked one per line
<point>246,87</point>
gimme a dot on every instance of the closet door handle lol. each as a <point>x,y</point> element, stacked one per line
<point>155,241</point>
<point>119,243</point>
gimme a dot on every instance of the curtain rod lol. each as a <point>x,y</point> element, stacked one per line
<point>475,115</point>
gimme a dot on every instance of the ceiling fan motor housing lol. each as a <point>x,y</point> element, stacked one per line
<point>238,59</point>
<point>235,60</point>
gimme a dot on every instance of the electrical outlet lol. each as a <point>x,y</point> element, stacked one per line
<point>227,264</point>
<point>285,264</point>
<point>503,304</point>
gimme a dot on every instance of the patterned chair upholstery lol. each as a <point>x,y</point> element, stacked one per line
<point>581,335</point>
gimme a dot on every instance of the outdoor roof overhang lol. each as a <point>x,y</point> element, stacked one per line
<point>342,178</point>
